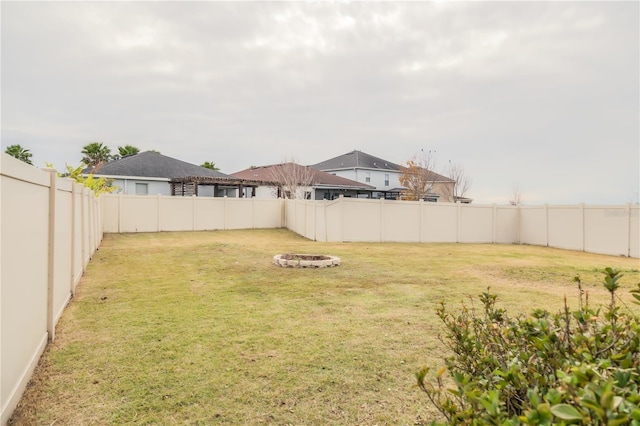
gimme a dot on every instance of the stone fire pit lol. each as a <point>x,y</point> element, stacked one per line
<point>291,260</point>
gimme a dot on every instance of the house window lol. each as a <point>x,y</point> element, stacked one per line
<point>386,179</point>
<point>367,177</point>
<point>142,188</point>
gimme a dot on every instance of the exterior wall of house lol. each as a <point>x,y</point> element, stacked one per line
<point>263,192</point>
<point>445,190</point>
<point>333,194</point>
<point>377,177</point>
<point>154,187</point>
<point>128,186</point>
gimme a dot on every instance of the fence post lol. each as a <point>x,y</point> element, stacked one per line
<point>494,224</point>
<point>315,221</point>
<point>159,215</point>
<point>324,212</point>
<point>224,213</point>
<point>296,228</point>
<point>253,212</point>
<point>72,263</point>
<point>94,222</point>
<point>458,219</point>
<point>51,328</point>
<point>381,230</point>
<point>120,212</point>
<point>194,217</point>
<point>89,225</point>
<point>341,200</point>
<point>629,230</point>
<point>519,224</point>
<point>546,215</point>
<point>83,231</point>
<point>584,226</point>
<point>421,223</point>
<point>100,227</point>
<point>285,213</point>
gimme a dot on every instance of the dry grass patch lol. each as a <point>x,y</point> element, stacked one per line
<point>201,328</point>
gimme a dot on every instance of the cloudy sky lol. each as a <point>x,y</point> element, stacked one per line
<point>535,95</point>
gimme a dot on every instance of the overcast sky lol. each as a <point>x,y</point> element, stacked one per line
<point>542,96</point>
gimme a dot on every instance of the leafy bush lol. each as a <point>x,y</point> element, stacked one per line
<point>580,367</point>
<point>100,185</point>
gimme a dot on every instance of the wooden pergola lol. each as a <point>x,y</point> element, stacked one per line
<point>188,185</point>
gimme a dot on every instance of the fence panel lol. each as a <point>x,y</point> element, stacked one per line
<point>507,225</point>
<point>139,213</point>
<point>24,232</point>
<point>320,213</point>
<point>78,226</point>
<point>210,214</point>
<point>239,213</point>
<point>440,223</point>
<point>63,241</point>
<point>533,225</point>
<point>267,213</point>
<point>476,224</point>
<point>43,233</point>
<point>111,213</point>
<point>300,216</point>
<point>634,231</point>
<point>310,219</point>
<point>401,221</point>
<point>565,227</point>
<point>607,230</point>
<point>334,225</point>
<point>361,219</point>
<point>166,213</point>
<point>176,214</point>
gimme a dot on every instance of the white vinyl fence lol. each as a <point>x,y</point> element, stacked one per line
<point>49,229</point>
<point>130,213</point>
<point>612,230</point>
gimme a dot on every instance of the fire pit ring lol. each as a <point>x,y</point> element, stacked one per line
<point>294,260</point>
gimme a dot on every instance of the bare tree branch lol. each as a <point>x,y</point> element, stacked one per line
<point>516,197</point>
<point>462,182</point>
<point>291,180</point>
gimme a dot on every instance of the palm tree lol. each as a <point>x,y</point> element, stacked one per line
<point>96,154</point>
<point>127,150</point>
<point>20,153</point>
<point>209,165</point>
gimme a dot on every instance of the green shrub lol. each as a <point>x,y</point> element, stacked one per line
<point>580,367</point>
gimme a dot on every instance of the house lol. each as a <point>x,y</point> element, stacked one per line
<point>314,184</point>
<point>383,175</point>
<point>151,173</point>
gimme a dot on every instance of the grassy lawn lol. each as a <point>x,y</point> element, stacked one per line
<point>201,328</point>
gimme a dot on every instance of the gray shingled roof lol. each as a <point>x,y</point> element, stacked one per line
<point>362,160</point>
<point>356,159</point>
<point>318,178</point>
<point>153,164</point>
